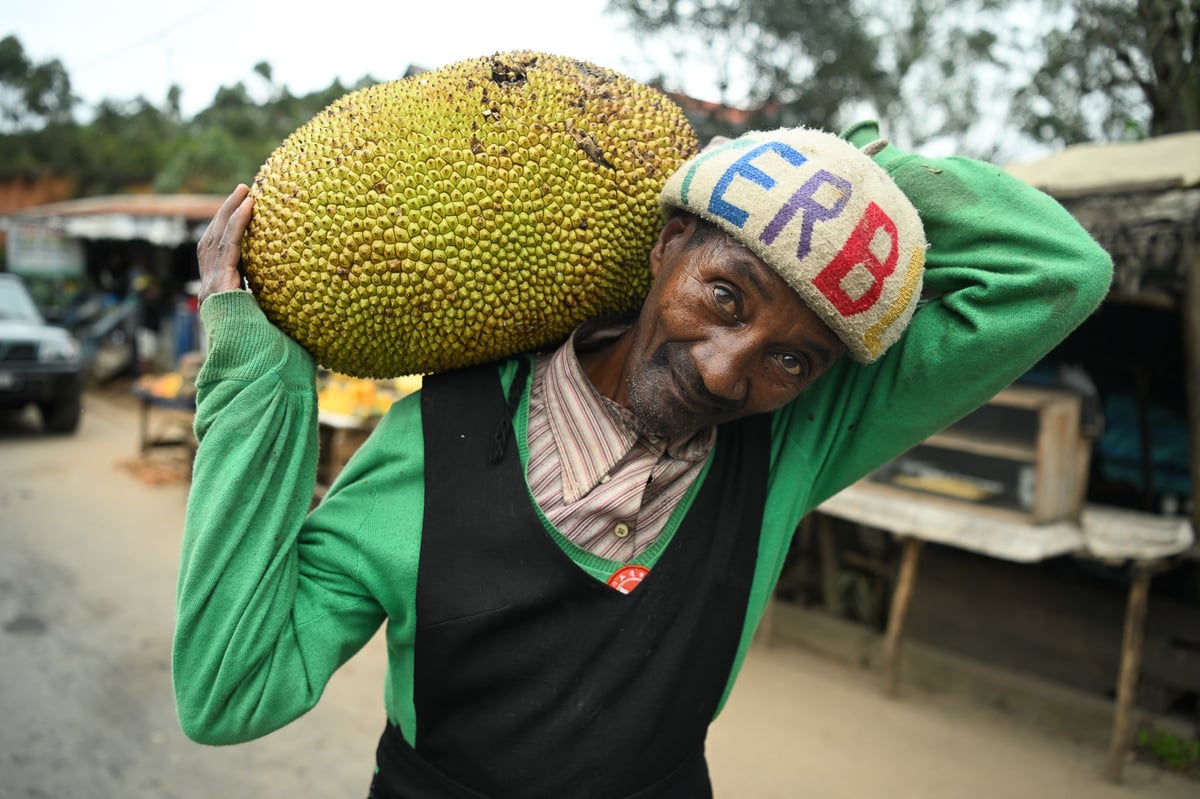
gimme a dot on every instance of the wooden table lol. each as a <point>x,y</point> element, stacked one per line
<point>1147,542</point>
<point>164,421</point>
<point>340,435</point>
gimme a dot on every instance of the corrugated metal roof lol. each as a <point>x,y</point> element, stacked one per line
<point>168,220</point>
<point>1166,162</point>
<point>189,206</point>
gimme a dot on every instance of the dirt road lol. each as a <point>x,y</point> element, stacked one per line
<point>88,552</point>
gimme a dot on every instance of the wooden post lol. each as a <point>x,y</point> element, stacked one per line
<point>1191,372</point>
<point>830,565</point>
<point>144,425</point>
<point>1131,656</point>
<point>909,555</point>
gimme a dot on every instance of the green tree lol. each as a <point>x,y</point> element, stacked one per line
<point>983,77</point>
<point>132,145</point>
<point>36,129</point>
<point>789,62</point>
<point>31,94</point>
<point>827,63</point>
<point>1115,69</point>
<point>227,142</point>
<point>123,147</point>
<point>207,160</point>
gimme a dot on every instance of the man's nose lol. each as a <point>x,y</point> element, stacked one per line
<point>723,364</point>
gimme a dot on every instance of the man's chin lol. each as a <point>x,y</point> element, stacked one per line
<point>659,420</point>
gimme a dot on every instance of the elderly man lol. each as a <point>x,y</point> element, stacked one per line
<point>571,549</point>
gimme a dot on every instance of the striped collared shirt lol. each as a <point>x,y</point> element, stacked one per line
<point>607,488</point>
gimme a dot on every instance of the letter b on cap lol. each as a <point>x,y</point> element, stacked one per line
<point>857,252</point>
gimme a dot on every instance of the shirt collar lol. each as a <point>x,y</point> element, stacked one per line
<point>592,433</point>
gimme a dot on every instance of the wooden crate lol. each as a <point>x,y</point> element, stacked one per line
<point>1023,455</point>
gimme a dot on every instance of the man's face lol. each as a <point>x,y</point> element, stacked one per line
<point>720,336</point>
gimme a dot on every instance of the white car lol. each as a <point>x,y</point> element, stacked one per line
<point>40,364</point>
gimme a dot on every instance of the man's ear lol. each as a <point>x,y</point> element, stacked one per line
<point>674,234</point>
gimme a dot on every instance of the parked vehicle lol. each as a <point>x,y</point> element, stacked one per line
<point>40,364</point>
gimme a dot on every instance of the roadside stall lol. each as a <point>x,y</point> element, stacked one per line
<point>1091,456</point>
<point>167,407</point>
<point>118,272</point>
<point>349,408</point>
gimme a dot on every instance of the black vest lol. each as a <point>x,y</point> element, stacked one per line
<point>534,680</point>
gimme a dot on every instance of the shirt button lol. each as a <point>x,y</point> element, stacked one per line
<point>621,530</point>
<point>605,479</point>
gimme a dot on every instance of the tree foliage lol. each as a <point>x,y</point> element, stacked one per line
<point>827,63</point>
<point>137,145</point>
<point>983,77</point>
<point>36,128</point>
<point>31,95</point>
<point>1116,69</point>
<point>788,62</point>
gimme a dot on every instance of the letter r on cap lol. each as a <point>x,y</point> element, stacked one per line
<point>805,199</point>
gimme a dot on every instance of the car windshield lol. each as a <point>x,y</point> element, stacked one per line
<point>16,304</point>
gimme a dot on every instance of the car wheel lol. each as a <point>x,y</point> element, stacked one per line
<point>62,416</point>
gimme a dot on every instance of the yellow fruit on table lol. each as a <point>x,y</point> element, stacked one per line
<point>407,384</point>
<point>166,385</point>
<point>362,398</point>
<point>463,214</point>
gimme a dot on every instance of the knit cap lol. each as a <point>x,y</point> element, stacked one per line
<point>822,214</point>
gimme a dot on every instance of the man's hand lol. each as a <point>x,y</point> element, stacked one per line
<point>220,247</point>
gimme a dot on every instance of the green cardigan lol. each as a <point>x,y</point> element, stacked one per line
<point>272,600</point>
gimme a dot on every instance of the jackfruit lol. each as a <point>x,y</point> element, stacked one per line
<point>464,214</point>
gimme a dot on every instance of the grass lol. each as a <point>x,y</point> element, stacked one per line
<point>1174,751</point>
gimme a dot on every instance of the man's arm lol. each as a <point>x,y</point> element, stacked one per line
<point>262,621</point>
<point>1009,273</point>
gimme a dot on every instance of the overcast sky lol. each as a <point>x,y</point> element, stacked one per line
<point>121,49</point>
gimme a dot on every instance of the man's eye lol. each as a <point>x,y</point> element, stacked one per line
<point>791,364</point>
<point>726,300</point>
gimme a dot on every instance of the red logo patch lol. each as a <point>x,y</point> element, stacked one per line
<point>626,578</point>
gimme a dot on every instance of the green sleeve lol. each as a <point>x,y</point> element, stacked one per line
<point>1009,273</point>
<point>268,605</point>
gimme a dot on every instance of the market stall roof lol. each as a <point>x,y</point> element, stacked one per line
<point>1139,200</point>
<point>1164,162</point>
<point>168,220</point>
